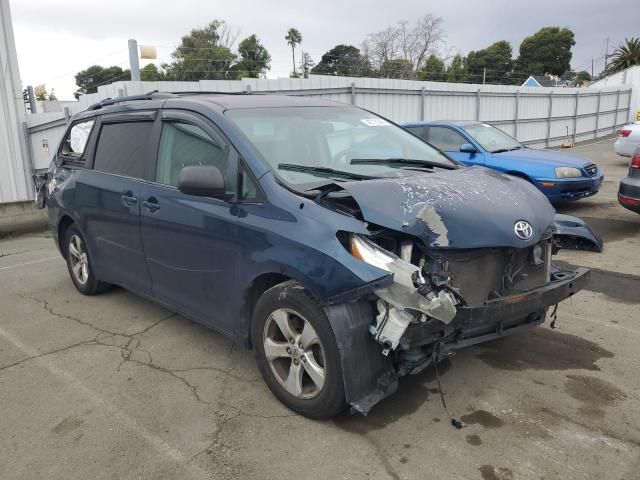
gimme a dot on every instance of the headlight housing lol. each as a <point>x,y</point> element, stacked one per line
<point>405,273</point>
<point>567,172</point>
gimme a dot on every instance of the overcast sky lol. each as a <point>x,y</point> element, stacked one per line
<point>57,38</point>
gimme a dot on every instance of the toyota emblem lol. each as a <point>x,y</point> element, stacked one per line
<point>523,230</point>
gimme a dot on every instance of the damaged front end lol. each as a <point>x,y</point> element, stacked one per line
<point>447,286</point>
<point>443,300</point>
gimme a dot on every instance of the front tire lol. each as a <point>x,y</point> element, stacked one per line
<point>79,264</point>
<point>296,351</point>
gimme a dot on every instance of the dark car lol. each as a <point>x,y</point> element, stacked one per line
<point>629,192</point>
<point>561,177</point>
<point>343,249</point>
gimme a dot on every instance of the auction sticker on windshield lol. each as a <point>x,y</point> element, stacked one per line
<point>374,122</point>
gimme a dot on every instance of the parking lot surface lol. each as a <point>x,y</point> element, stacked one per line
<point>115,387</point>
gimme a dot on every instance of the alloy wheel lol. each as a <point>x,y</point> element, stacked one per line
<point>79,260</point>
<point>294,353</point>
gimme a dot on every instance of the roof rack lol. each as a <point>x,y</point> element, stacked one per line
<point>155,95</point>
<point>152,95</point>
<point>212,92</point>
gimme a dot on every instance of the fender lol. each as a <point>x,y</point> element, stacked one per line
<point>573,233</point>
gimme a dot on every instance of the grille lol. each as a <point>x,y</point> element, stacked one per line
<point>591,169</point>
<point>481,273</point>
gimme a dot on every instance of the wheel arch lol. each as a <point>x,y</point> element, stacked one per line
<point>63,225</point>
<point>519,174</point>
<point>252,293</point>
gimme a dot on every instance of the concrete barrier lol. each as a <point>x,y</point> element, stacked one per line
<point>21,217</point>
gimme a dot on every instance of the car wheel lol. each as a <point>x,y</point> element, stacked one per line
<point>79,264</point>
<point>296,351</point>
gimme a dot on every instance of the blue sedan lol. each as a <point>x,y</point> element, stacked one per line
<point>559,176</point>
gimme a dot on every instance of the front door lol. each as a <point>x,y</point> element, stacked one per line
<point>189,241</point>
<point>449,141</point>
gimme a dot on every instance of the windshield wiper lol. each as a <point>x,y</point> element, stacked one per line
<point>323,171</point>
<point>502,150</point>
<point>400,162</point>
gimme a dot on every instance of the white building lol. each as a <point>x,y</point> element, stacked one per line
<point>15,181</point>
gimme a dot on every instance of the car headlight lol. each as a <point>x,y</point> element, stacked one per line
<point>367,251</point>
<point>567,172</point>
<point>404,273</point>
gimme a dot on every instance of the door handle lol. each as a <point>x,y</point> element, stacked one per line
<point>151,204</point>
<point>128,200</point>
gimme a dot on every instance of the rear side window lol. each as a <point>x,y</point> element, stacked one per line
<point>76,140</point>
<point>446,139</point>
<point>182,145</point>
<point>419,131</point>
<point>122,149</point>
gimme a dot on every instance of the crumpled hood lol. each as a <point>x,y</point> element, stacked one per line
<point>466,208</point>
<point>549,158</point>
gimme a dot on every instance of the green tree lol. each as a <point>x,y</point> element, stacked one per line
<point>433,70</point>
<point>90,79</point>
<point>293,38</point>
<point>496,59</point>
<point>625,55</point>
<point>254,58</point>
<point>44,95</point>
<point>457,70</point>
<point>581,78</point>
<point>204,54</point>
<point>400,68</point>
<point>546,51</point>
<point>344,60</point>
<point>306,64</point>
<point>150,73</point>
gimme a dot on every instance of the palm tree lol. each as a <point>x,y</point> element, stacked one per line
<point>625,56</point>
<point>293,38</point>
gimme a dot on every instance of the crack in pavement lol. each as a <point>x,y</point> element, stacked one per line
<point>2,255</point>
<point>58,350</point>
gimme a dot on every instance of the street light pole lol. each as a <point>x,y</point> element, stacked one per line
<point>134,65</point>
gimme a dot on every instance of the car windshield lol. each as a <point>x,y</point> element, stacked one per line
<point>491,138</point>
<point>298,140</point>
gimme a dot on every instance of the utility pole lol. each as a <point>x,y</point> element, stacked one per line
<point>134,65</point>
<point>606,56</point>
<point>592,68</point>
<point>484,75</point>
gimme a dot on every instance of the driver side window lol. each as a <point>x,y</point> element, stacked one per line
<point>446,139</point>
<point>182,145</point>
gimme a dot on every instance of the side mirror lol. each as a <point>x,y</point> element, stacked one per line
<point>468,148</point>
<point>202,181</point>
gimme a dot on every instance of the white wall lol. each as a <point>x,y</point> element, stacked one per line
<point>629,78</point>
<point>14,165</point>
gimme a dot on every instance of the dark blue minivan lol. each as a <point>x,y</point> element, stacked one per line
<point>345,251</point>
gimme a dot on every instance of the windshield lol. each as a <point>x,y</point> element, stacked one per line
<point>330,138</point>
<point>491,138</point>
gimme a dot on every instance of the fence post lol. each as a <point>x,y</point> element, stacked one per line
<point>423,106</point>
<point>515,117</point>
<point>478,105</point>
<point>549,117</point>
<point>67,115</point>
<point>353,93</point>
<point>595,132</point>
<point>575,117</point>
<point>31,166</point>
<point>615,117</point>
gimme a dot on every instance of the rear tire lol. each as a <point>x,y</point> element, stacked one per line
<point>79,264</point>
<point>296,351</point>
